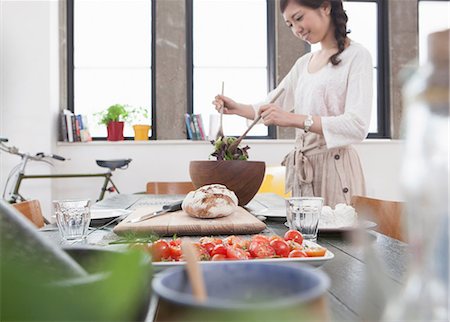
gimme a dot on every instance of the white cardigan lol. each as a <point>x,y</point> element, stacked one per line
<point>341,95</point>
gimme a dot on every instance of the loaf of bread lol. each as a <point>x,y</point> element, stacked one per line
<point>210,201</point>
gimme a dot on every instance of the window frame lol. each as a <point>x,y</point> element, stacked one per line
<point>383,72</point>
<point>271,61</point>
<point>71,68</point>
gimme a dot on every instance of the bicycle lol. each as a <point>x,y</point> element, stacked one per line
<point>11,191</point>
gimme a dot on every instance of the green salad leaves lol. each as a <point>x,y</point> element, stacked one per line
<point>221,151</point>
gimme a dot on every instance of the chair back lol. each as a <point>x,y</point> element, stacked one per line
<point>32,210</point>
<point>175,188</point>
<point>387,214</point>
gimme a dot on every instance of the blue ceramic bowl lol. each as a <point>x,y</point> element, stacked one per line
<point>245,286</point>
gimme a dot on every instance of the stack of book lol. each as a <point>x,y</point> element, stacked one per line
<point>194,127</point>
<point>73,128</point>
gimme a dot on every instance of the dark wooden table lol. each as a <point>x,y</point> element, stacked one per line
<point>360,272</point>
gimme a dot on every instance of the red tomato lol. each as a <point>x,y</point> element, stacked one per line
<point>294,235</point>
<point>275,237</point>
<point>218,257</point>
<point>261,238</point>
<point>160,250</point>
<point>297,253</point>
<point>235,241</point>
<point>212,240</point>
<point>202,253</point>
<point>175,242</point>
<point>281,247</point>
<point>315,251</point>
<point>219,249</point>
<point>261,250</point>
<point>209,247</point>
<point>175,252</point>
<point>236,253</point>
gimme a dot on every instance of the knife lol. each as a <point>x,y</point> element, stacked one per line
<point>165,209</point>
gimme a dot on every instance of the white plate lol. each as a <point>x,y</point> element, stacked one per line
<point>102,214</point>
<point>365,224</point>
<point>274,213</point>
<point>314,261</point>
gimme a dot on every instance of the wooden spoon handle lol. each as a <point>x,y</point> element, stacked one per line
<point>258,118</point>
<point>194,272</point>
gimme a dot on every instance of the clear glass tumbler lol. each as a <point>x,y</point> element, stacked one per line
<point>303,215</point>
<point>73,218</point>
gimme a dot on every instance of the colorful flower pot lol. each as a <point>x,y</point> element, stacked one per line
<point>141,132</point>
<point>115,131</point>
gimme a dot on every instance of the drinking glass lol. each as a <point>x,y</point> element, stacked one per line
<point>73,218</point>
<point>303,215</point>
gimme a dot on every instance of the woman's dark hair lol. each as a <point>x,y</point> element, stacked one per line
<point>338,16</point>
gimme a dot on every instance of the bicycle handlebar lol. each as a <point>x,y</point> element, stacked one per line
<point>40,156</point>
<point>53,156</point>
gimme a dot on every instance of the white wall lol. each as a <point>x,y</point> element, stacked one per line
<point>169,161</point>
<point>30,104</point>
<point>29,98</point>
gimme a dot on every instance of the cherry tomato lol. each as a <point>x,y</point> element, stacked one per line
<point>209,247</point>
<point>236,253</point>
<point>294,235</point>
<point>175,242</point>
<point>212,240</point>
<point>219,249</point>
<point>297,253</point>
<point>275,237</point>
<point>281,247</point>
<point>235,241</point>
<point>160,250</point>
<point>261,250</point>
<point>202,253</point>
<point>315,251</point>
<point>175,252</point>
<point>261,238</point>
<point>219,257</point>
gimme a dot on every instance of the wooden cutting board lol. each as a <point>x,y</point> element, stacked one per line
<point>181,224</point>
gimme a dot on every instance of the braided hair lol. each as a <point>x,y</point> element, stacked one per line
<point>338,16</point>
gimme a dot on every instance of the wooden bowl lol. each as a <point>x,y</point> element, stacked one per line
<point>242,177</point>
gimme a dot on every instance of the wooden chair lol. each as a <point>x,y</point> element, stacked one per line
<point>177,188</point>
<point>32,210</point>
<point>387,214</point>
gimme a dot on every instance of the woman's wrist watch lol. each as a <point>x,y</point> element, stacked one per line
<point>308,123</point>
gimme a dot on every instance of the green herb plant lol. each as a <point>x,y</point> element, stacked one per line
<point>139,115</point>
<point>114,113</point>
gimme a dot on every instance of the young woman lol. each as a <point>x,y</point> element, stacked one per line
<point>331,93</point>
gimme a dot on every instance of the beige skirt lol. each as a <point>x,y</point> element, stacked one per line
<point>313,170</point>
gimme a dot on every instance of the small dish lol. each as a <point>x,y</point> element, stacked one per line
<point>365,224</point>
<point>101,216</point>
<point>248,285</point>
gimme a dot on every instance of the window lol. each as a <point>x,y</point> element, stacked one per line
<point>433,16</point>
<point>365,28</point>
<point>224,50</point>
<point>109,57</point>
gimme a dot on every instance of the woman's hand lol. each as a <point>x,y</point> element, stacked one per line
<point>229,106</point>
<point>232,107</point>
<point>272,114</point>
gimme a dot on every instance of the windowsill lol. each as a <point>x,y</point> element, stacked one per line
<point>199,142</point>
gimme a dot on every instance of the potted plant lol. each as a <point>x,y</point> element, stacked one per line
<point>140,118</point>
<point>113,117</point>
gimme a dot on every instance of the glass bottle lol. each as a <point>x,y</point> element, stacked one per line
<point>425,180</point>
